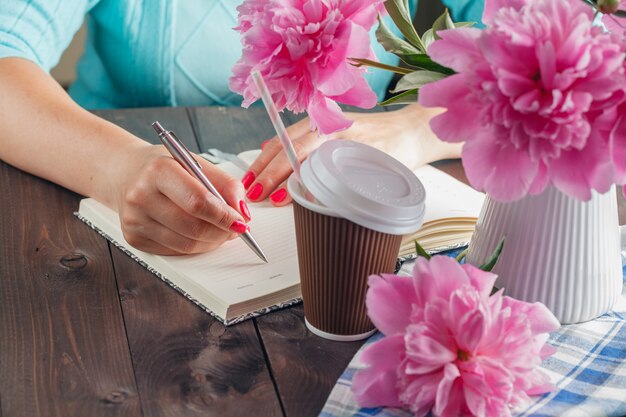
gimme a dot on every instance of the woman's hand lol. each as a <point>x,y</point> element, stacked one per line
<point>403,134</point>
<point>165,210</point>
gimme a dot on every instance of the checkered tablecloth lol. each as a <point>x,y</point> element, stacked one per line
<point>588,369</point>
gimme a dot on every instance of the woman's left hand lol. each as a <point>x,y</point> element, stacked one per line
<point>403,134</point>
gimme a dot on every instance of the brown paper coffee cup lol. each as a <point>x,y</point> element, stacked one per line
<point>352,204</point>
<point>336,257</point>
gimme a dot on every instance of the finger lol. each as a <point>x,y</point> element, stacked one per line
<point>271,148</point>
<point>281,196</point>
<point>151,236</point>
<point>278,169</point>
<point>169,215</point>
<point>229,187</point>
<point>192,197</point>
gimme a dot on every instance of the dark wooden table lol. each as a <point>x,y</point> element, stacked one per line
<point>86,331</point>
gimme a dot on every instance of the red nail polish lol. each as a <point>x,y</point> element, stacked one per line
<point>243,208</point>
<point>278,195</point>
<point>264,144</point>
<point>239,227</point>
<point>255,192</point>
<point>248,179</point>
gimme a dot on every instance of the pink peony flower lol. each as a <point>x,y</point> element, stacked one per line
<point>301,50</point>
<point>450,347</point>
<point>535,97</point>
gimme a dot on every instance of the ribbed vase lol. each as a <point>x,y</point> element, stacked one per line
<point>559,251</point>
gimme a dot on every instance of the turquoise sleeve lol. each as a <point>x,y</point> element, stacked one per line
<point>40,30</point>
<point>466,10</point>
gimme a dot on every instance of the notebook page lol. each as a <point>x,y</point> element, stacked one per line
<point>447,197</point>
<point>234,273</point>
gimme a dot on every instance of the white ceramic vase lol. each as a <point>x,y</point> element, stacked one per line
<point>559,251</point>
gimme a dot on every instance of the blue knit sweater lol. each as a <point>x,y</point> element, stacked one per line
<point>130,57</point>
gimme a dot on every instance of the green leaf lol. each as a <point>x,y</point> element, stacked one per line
<point>399,12</point>
<point>417,79</point>
<point>464,24</point>
<point>443,22</point>
<point>421,251</point>
<point>408,97</point>
<point>423,61</point>
<point>491,261</point>
<point>391,42</point>
<point>428,38</point>
<point>368,62</point>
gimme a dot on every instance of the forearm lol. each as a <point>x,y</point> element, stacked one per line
<point>421,144</point>
<point>45,133</point>
<point>405,134</point>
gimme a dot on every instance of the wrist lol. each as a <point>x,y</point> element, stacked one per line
<point>116,165</point>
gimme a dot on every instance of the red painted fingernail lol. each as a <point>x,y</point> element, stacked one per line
<point>255,192</point>
<point>264,144</point>
<point>278,195</point>
<point>239,227</point>
<point>248,179</point>
<point>243,208</point>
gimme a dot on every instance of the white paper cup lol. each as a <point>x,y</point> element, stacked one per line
<point>364,202</point>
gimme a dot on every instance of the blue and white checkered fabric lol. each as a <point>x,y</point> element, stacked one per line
<point>588,369</point>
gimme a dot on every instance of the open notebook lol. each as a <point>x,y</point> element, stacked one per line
<point>233,284</point>
<point>452,209</point>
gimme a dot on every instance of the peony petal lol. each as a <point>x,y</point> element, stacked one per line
<point>541,319</point>
<point>482,281</point>
<point>492,7</point>
<point>364,12</point>
<point>502,171</point>
<point>420,394</point>
<point>439,277</point>
<point>377,385</point>
<point>576,172</point>
<point>449,393</point>
<point>389,302</point>
<point>456,49</point>
<point>541,180</point>
<point>539,383</point>
<point>471,323</point>
<point>617,145</point>
<point>475,390</point>
<point>338,76</point>
<point>360,95</point>
<point>425,353</point>
<point>462,120</point>
<point>326,115</point>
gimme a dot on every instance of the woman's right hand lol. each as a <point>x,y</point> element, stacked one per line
<point>165,210</point>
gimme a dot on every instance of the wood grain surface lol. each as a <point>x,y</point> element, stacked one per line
<point>63,347</point>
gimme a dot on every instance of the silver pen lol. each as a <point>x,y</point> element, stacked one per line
<point>183,156</point>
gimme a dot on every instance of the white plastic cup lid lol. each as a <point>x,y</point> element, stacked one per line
<point>365,186</point>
